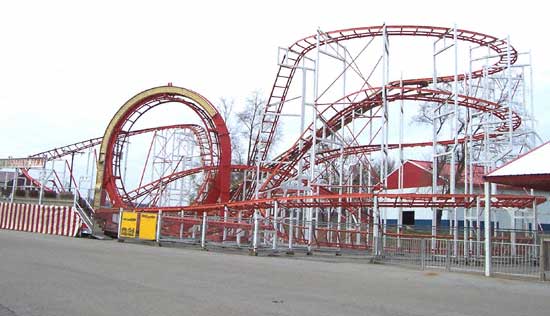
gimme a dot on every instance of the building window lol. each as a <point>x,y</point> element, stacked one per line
<point>408,217</point>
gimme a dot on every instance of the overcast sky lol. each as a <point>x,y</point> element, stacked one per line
<point>67,66</point>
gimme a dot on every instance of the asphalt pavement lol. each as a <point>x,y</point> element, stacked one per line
<point>51,275</point>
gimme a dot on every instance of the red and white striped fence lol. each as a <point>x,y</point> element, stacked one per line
<point>45,219</point>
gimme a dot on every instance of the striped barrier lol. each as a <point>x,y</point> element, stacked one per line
<point>45,219</point>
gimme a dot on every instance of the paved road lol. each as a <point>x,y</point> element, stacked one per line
<point>49,275</point>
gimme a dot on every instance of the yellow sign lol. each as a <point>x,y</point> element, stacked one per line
<point>128,225</point>
<point>148,226</point>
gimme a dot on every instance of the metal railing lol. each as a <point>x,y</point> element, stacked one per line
<point>290,235</point>
<point>507,258</point>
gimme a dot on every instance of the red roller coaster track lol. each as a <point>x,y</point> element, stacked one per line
<point>300,48</point>
<point>215,143</point>
<point>109,181</point>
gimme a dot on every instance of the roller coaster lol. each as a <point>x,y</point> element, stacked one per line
<point>334,178</point>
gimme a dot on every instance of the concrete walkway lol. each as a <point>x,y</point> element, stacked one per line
<point>49,275</point>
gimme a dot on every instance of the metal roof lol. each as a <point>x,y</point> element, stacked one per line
<point>530,170</point>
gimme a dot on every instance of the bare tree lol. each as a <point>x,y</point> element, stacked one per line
<point>244,126</point>
<point>426,116</point>
<point>249,120</point>
<point>226,106</point>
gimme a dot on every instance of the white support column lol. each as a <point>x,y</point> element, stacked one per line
<point>239,230</point>
<point>290,231</point>
<point>376,228</point>
<point>434,153</point>
<point>535,224</point>
<point>5,181</point>
<point>275,225</point>
<point>487,220</point>
<point>225,217</point>
<point>14,184</point>
<point>302,112</point>
<point>203,231</point>
<point>467,165</point>
<point>454,131</point>
<point>255,233</point>
<point>245,175</point>
<point>314,111</point>
<point>341,191</point>
<point>43,181</point>
<point>532,102</point>
<point>159,226</point>
<point>400,171</point>
<point>309,231</point>
<point>369,190</point>
<point>434,168</point>
<point>119,223</point>
<point>385,128</point>
<point>478,226</point>
<point>466,232</point>
<point>509,92</point>
<point>359,216</point>
<point>513,237</point>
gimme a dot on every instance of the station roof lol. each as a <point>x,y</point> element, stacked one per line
<point>530,170</point>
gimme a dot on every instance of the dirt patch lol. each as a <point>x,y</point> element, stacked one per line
<point>431,273</point>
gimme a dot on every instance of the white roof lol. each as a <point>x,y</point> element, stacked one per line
<point>531,163</point>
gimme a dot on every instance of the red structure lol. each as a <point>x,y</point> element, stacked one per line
<point>303,178</point>
<point>216,141</point>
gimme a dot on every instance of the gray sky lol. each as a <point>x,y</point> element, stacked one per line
<point>67,66</point>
